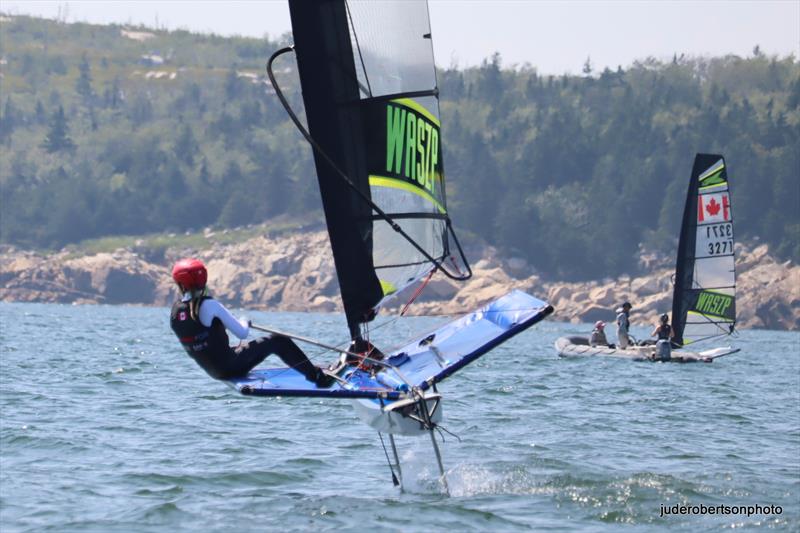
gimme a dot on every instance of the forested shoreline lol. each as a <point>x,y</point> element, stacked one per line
<point>109,130</point>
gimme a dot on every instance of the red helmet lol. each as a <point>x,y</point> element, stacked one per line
<point>190,274</point>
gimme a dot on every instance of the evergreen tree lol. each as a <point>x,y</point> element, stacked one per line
<point>84,83</point>
<point>794,95</point>
<point>185,145</point>
<point>141,109</point>
<point>57,139</point>
<point>111,94</point>
<point>490,82</point>
<point>232,84</point>
<point>41,116</point>
<point>203,174</point>
<point>8,119</point>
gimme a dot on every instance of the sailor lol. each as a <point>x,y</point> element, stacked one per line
<point>664,333</point>
<point>199,322</point>
<point>598,337</point>
<point>623,325</point>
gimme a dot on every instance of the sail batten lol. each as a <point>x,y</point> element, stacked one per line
<point>704,298</point>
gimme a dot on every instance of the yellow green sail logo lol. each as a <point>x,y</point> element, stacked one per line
<point>715,175</point>
<point>714,304</point>
<point>412,143</point>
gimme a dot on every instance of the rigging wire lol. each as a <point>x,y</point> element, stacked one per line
<point>417,292</point>
<point>340,347</point>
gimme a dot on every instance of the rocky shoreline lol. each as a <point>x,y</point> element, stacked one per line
<point>296,273</point>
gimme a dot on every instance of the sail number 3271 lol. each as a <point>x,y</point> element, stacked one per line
<point>720,238</point>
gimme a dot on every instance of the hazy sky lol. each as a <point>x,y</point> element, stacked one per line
<point>553,36</point>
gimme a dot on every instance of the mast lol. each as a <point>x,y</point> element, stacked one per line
<point>328,77</point>
<point>371,100</point>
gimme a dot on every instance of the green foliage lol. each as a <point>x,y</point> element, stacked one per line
<point>586,169</point>
<point>106,133</point>
<point>84,84</point>
<point>57,139</point>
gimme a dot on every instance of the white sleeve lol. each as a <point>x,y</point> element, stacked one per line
<point>211,309</point>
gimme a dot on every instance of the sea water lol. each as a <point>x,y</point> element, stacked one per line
<point>107,425</point>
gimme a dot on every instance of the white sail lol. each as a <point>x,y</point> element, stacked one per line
<point>704,301</point>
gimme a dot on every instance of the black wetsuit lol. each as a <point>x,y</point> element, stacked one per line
<point>209,347</point>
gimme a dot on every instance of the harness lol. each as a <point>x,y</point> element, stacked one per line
<point>198,340</point>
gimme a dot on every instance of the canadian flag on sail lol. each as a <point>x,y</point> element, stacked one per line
<point>713,208</point>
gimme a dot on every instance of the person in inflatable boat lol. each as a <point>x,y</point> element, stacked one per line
<point>623,325</point>
<point>664,334</point>
<point>598,337</point>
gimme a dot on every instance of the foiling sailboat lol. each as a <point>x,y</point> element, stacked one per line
<point>704,294</point>
<point>369,87</point>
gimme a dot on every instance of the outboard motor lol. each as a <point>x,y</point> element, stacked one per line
<point>663,350</point>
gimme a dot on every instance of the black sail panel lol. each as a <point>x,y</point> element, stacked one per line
<point>704,298</point>
<point>326,65</point>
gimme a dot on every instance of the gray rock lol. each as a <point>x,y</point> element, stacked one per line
<point>296,272</point>
<point>594,313</point>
